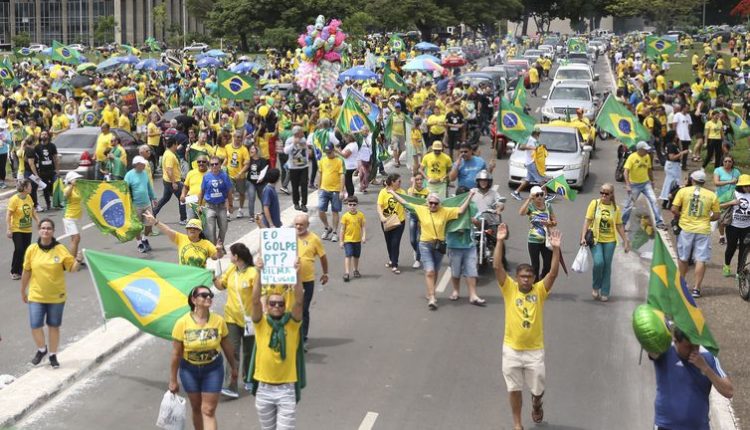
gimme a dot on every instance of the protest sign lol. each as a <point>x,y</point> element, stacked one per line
<point>279,249</point>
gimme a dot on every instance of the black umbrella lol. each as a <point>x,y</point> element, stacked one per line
<point>79,81</point>
<point>726,72</point>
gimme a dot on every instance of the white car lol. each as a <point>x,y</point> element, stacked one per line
<point>77,47</point>
<point>566,155</point>
<point>549,51</point>
<point>37,47</point>
<point>195,47</point>
<point>574,72</point>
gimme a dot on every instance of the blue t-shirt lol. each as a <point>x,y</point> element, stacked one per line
<point>468,171</point>
<point>216,188</point>
<point>725,193</point>
<point>270,198</point>
<point>5,142</point>
<point>141,191</point>
<point>682,391</point>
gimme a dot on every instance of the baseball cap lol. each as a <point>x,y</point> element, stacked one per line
<point>138,160</point>
<point>71,176</point>
<point>329,147</point>
<point>536,189</point>
<point>3,124</point>
<point>194,223</point>
<point>698,176</point>
<point>643,145</point>
<point>437,145</point>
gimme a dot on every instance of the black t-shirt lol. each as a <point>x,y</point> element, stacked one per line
<point>45,158</point>
<point>255,168</point>
<point>672,148</point>
<point>746,108</point>
<point>452,118</point>
<point>186,121</point>
<point>29,158</point>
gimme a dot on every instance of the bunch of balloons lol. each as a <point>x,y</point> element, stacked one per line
<point>321,57</point>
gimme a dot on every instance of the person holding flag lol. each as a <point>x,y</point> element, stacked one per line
<point>533,176</point>
<point>639,179</point>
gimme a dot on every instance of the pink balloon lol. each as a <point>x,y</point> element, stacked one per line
<point>310,29</point>
<point>332,56</point>
<point>301,40</point>
<point>340,37</point>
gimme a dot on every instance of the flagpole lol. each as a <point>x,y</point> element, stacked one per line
<point>93,282</point>
<point>600,110</point>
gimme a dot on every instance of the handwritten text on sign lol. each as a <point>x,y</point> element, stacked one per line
<point>279,248</point>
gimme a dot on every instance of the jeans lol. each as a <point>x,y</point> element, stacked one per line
<point>167,195</point>
<point>21,242</point>
<point>602,254</point>
<point>216,215</point>
<point>206,378</point>
<point>299,180</point>
<point>414,231</point>
<point>49,180</point>
<point>253,190</point>
<point>636,190</point>
<point>283,158</point>
<point>309,289</point>
<point>685,144</point>
<point>673,174</point>
<point>393,243</point>
<point>349,182</point>
<point>735,238</point>
<point>313,172</point>
<point>241,343</point>
<point>537,250</point>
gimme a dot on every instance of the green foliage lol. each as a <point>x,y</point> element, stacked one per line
<point>160,19</point>
<point>174,35</point>
<point>20,40</point>
<point>200,8</point>
<point>665,14</point>
<point>194,36</point>
<point>104,31</point>
<point>280,37</point>
<point>358,24</point>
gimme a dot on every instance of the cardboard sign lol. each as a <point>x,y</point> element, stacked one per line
<point>279,249</point>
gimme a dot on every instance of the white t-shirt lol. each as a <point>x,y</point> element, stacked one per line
<point>741,214</point>
<point>365,151</point>
<point>529,152</point>
<point>351,162</point>
<point>683,122</point>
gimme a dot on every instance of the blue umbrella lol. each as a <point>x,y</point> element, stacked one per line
<point>151,64</point>
<point>426,46</point>
<point>359,73</point>
<point>128,59</point>
<point>428,57</point>
<point>107,64</point>
<point>208,62</point>
<point>244,67</point>
<point>216,53</point>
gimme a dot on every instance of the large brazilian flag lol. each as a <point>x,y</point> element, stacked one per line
<point>110,208</point>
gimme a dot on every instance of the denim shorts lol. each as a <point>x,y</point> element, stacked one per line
<point>53,312</point>
<point>431,259</point>
<point>352,249</point>
<point>532,174</point>
<point>324,197</point>
<point>463,262</point>
<point>207,378</point>
<point>699,244</point>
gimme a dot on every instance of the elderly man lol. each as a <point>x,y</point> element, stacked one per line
<point>143,196</point>
<point>523,344</point>
<point>216,191</point>
<point>309,246</point>
<point>639,177</point>
<point>696,207</point>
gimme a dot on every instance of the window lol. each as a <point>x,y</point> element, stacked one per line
<point>26,18</point>
<point>4,22</point>
<point>51,21</point>
<point>78,21</point>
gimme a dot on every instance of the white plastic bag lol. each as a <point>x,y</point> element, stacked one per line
<point>173,412</point>
<point>582,263</point>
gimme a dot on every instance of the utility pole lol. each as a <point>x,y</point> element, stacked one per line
<point>704,13</point>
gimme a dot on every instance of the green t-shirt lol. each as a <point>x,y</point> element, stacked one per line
<point>537,232</point>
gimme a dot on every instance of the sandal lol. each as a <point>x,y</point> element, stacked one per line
<point>478,302</point>
<point>537,413</point>
<point>396,271</point>
<point>357,274</point>
<point>453,297</point>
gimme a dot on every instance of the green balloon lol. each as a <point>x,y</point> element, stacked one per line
<point>651,329</point>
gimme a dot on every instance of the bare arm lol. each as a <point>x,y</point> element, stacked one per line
<point>150,220</point>
<point>324,266</point>
<point>299,299</point>
<point>624,236</point>
<point>586,226</point>
<point>497,256</point>
<point>466,202</point>
<point>555,238</point>
<point>524,207</point>
<point>256,312</point>
<point>174,364</point>
<point>228,348</point>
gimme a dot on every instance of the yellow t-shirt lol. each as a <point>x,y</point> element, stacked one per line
<point>353,225</point>
<point>239,286</point>
<point>236,159</point>
<point>605,230</point>
<point>524,315</point>
<point>169,161</point>
<point>638,168</point>
<point>432,224</point>
<point>436,167</point>
<point>47,283</point>
<point>713,130</point>
<point>391,205</point>
<point>422,194</point>
<point>103,141</point>
<point>193,253</point>
<point>417,140</point>
<point>201,344</point>
<point>533,75</point>
<point>21,211</point>
<point>153,134</point>
<point>109,116</point>
<point>695,210</point>
<point>269,367</point>
<point>308,248</point>
<point>206,149</point>
<point>193,181</point>
<point>60,122</point>
<point>436,123</point>
<point>73,204</point>
<point>331,172</point>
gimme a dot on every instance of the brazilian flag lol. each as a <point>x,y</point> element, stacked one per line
<point>7,78</point>
<point>235,86</point>
<point>560,186</point>
<point>576,45</point>
<point>519,97</point>
<point>656,46</point>
<point>64,54</point>
<point>461,223</point>
<point>153,45</point>
<point>396,43</point>
<point>352,118</point>
<point>514,123</point>
<point>740,129</point>
<point>24,52</point>
<point>617,120</point>
<point>152,295</point>
<point>173,99</point>
<point>110,208</point>
<point>393,81</point>
<point>211,104</point>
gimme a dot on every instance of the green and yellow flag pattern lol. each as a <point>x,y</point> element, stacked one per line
<point>64,54</point>
<point>618,121</point>
<point>235,86</point>
<point>110,208</point>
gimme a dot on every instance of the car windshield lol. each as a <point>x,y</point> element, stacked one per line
<point>532,52</point>
<point>581,75</point>
<point>475,81</point>
<point>557,141</point>
<point>570,93</point>
<point>75,141</point>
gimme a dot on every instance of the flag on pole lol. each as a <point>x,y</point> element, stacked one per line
<point>110,208</point>
<point>152,295</point>
<point>576,45</point>
<point>153,45</point>
<point>393,80</point>
<point>352,118</point>
<point>396,43</point>
<point>514,123</point>
<point>235,86</point>
<point>668,292</point>
<point>656,46</point>
<point>24,52</point>
<point>560,186</point>
<point>64,54</point>
<point>371,109</point>
<point>519,97</point>
<point>211,104</point>
<point>7,77</point>
<point>617,120</point>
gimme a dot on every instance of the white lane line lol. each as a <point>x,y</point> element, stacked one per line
<point>369,421</point>
<point>537,109</point>
<point>444,280</point>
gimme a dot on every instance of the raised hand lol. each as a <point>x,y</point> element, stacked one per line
<point>555,238</point>
<point>502,232</point>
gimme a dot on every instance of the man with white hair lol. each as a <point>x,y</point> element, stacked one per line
<point>143,196</point>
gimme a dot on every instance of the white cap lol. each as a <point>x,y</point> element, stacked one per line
<point>536,189</point>
<point>643,145</point>
<point>3,124</point>
<point>138,160</point>
<point>71,176</point>
<point>698,176</point>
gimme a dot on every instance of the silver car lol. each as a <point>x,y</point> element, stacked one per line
<point>565,98</point>
<point>77,149</point>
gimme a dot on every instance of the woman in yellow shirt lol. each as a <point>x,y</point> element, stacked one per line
<point>238,281</point>
<point>389,206</point>
<point>714,135</point>
<point>199,337</point>
<point>72,212</point>
<point>18,218</point>
<point>43,289</point>
<point>193,249</point>
<point>418,190</point>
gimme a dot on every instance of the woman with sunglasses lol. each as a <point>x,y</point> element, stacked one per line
<point>199,337</point>
<point>541,218</point>
<point>604,218</point>
<point>739,227</point>
<point>725,178</point>
<point>193,249</point>
<point>388,207</point>
<point>18,221</point>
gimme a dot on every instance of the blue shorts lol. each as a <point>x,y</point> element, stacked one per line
<point>207,378</point>
<point>352,249</point>
<point>52,311</point>
<point>532,174</point>
<point>324,197</point>
<point>431,259</point>
<point>463,262</point>
<point>698,244</point>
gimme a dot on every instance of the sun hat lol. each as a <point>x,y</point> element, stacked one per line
<point>194,223</point>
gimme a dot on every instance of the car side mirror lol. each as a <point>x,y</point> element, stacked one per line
<point>596,76</point>
<point>588,148</point>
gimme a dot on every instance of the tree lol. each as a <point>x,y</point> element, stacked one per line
<point>200,8</point>
<point>664,13</point>
<point>160,20</point>
<point>174,35</point>
<point>20,40</point>
<point>104,32</point>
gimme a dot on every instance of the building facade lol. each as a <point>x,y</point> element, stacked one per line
<point>74,21</point>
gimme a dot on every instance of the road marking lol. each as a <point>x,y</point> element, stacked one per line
<point>85,227</point>
<point>537,109</point>
<point>369,421</point>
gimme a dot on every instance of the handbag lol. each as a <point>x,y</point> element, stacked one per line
<point>439,245</point>
<point>391,223</point>
<point>726,216</point>
<point>589,236</point>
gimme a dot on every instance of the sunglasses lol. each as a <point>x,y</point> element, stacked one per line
<point>208,295</point>
<point>538,194</point>
<point>433,203</point>
<point>276,303</point>
<point>352,205</point>
<point>605,193</point>
<point>201,162</point>
<point>215,164</point>
<point>464,152</point>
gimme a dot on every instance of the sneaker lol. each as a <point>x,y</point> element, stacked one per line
<point>303,208</point>
<point>334,237</point>
<point>326,233</point>
<point>15,276</point>
<point>604,298</point>
<point>417,264</point>
<point>53,361</point>
<point>183,222</point>
<point>39,209</point>
<point>516,195</point>
<point>432,305</point>
<point>726,270</point>
<point>240,214</point>
<point>346,278</point>
<point>661,226</point>
<point>141,248</point>
<point>146,246</point>
<point>230,393</point>
<point>38,356</point>
<point>3,185</point>
<point>248,386</point>
<point>284,190</point>
<point>357,274</point>
<point>297,207</point>
<point>696,293</point>
<point>229,216</point>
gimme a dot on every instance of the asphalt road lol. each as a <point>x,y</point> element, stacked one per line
<point>378,357</point>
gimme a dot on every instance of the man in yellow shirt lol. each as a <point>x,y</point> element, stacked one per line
<point>103,142</point>
<point>713,133</point>
<point>237,163</point>
<point>124,121</point>
<point>172,179</point>
<point>435,167</point>
<point>696,207</point>
<point>523,343</point>
<point>60,121</point>
<point>193,181</point>
<point>331,186</point>
<point>436,125</point>
<point>309,246</point>
<point>153,134</point>
<point>534,79</point>
<point>638,180</point>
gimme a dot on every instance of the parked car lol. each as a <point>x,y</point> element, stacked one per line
<point>476,79</point>
<point>574,72</point>
<point>454,57</point>
<point>567,97</point>
<point>77,148</point>
<point>78,47</point>
<point>37,47</point>
<point>195,47</point>
<point>533,54</point>
<point>566,154</point>
<point>510,74</point>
